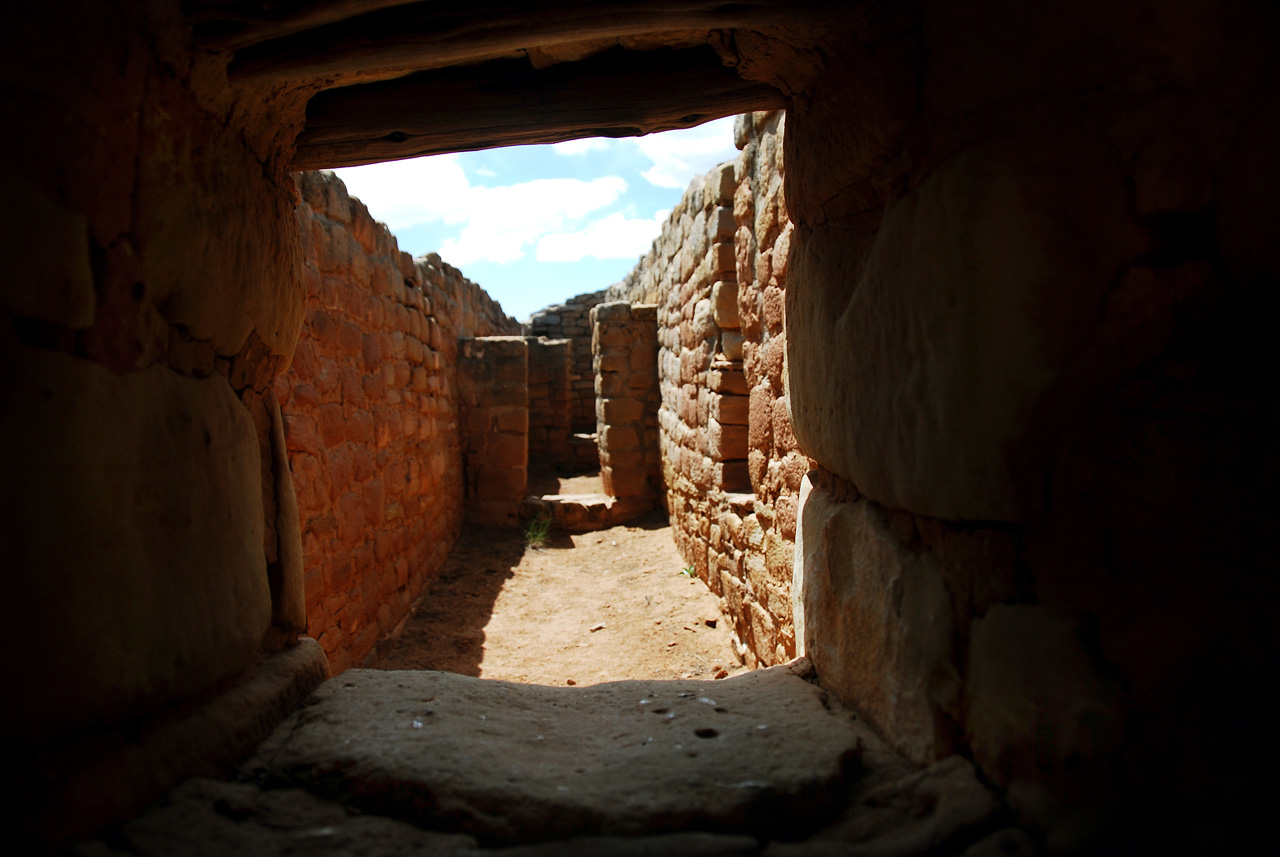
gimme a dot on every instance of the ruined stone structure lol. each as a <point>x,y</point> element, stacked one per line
<point>625,348</point>
<point>371,420</point>
<point>731,466</point>
<point>1030,287</point>
<point>551,401</point>
<point>571,320</point>
<point>493,382</point>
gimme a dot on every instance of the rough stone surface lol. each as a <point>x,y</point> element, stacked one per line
<point>371,424</point>
<point>722,393</point>
<point>135,515</point>
<point>79,788</point>
<point>759,753</point>
<point>878,624</point>
<point>214,818</point>
<point>998,238</point>
<point>938,810</point>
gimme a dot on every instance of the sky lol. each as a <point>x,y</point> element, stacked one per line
<point>534,225</point>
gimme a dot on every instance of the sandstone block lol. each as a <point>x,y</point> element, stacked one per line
<point>632,785</point>
<point>619,438</point>
<point>722,259</point>
<point>728,380</point>
<point>999,260</point>
<point>730,410</point>
<point>878,623</point>
<point>724,301</point>
<point>727,441</point>
<point>134,509</point>
<point>616,311</point>
<point>622,411</point>
<point>731,342</point>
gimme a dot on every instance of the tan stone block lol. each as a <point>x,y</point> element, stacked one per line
<point>622,411</point>
<point>513,420</point>
<point>730,410</point>
<point>613,361</point>
<point>724,302</point>
<point>727,441</point>
<point>729,381</point>
<point>878,623</point>
<point>620,438</point>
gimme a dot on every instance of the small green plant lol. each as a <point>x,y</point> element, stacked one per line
<point>688,571</point>
<point>537,530</point>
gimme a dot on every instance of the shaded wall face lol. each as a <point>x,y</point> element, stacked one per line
<point>1019,349</point>
<point>370,413</point>
<point>154,291</point>
<point>493,388</point>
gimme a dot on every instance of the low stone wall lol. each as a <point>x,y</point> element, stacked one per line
<point>731,467</point>
<point>370,418</point>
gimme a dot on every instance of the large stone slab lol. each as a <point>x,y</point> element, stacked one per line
<point>133,524</point>
<point>764,753</point>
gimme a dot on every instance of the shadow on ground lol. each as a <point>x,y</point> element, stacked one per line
<point>446,630</point>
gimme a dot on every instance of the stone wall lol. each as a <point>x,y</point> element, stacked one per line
<point>370,409</point>
<point>624,342</point>
<point>731,466</point>
<point>572,320</point>
<point>493,380</point>
<point>551,398</point>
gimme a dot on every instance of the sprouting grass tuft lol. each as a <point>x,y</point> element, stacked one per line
<point>688,571</point>
<point>537,530</point>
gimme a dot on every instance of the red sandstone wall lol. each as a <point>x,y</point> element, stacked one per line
<point>731,465</point>
<point>371,420</point>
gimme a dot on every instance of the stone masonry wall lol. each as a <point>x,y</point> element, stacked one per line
<point>371,420</point>
<point>572,320</point>
<point>730,464</point>
<point>624,342</point>
<point>493,383</point>
<point>550,402</point>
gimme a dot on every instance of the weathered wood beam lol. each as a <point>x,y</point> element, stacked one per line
<point>506,102</point>
<point>231,24</point>
<point>436,34</point>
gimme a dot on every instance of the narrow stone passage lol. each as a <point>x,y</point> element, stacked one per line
<point>578,609</point>
<point>564,699</point>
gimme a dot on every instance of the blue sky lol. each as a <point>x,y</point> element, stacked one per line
<point>534,225</point>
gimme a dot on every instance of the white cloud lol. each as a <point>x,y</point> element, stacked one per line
<point>407,193</point>
<point>678,156</point>
<point>498,223</point>
<point>616,236</point>
<point>581,146</point>
<point>501,224</point>
<point>502,221</point>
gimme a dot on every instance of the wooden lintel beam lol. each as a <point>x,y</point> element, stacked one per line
<point>506,102</point>
<point>429,35</point>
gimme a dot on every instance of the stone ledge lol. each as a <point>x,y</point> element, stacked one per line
<point>584,513</point>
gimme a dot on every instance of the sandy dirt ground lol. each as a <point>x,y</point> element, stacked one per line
<point>577,610</point>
